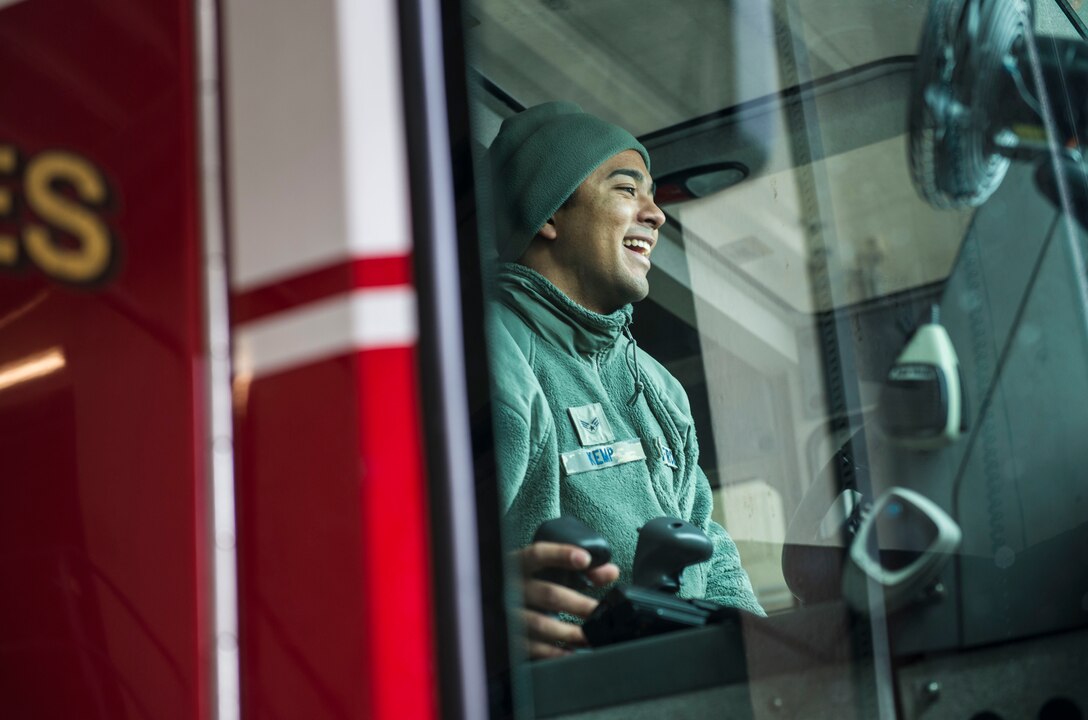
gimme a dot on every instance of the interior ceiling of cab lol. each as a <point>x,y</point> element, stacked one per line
<point>652,64</point>
<point>662,69</point>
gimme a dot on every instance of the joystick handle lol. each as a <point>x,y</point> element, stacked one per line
<point>667,545</point>
<point>572,531</point>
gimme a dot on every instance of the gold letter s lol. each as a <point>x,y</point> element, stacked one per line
<point>92,258</point>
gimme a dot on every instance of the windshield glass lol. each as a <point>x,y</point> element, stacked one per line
<point>839,312</point>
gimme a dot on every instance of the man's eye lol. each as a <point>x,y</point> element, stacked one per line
<point>629,190</point>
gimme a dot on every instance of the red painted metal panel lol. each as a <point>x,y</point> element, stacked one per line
<point>396,538</point>
<point>102,501</point>
<point>335,620</point>
<point>299,545</point>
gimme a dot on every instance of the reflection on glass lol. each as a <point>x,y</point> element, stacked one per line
<point>31,367</point>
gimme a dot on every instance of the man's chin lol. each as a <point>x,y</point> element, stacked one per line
<point>638,291</point>
<point>631,290</point>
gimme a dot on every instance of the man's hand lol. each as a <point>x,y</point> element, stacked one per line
<point>546,635</point>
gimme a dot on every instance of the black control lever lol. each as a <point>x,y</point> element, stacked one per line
<point>572,531</point>
<point>650,606</point>
<point>667,545</point>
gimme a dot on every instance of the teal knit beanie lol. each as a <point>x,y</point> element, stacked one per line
<point>538,159</point>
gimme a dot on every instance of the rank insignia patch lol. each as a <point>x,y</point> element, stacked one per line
<point>591,425</point>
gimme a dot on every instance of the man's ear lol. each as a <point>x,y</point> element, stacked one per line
<point>548,230</point>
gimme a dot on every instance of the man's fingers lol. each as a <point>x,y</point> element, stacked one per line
<point>542,651</point>
<point>546,629</point>
<point>546,635</point>
<point>541,555</point>
<point>549,597</point>
<point>603,574</point>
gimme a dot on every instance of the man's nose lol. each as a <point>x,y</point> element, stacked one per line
<point>651,214</point>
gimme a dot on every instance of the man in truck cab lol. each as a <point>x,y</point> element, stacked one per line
<point>587,424</point>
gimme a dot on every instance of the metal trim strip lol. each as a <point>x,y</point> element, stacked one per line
<point>425,33</point>
<point>225,665</point>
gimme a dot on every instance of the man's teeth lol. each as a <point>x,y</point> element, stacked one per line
<point>640,245</point>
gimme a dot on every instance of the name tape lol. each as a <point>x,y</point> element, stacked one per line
<point>602,456</point>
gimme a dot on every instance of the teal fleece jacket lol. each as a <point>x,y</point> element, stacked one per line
<point>551,354</point>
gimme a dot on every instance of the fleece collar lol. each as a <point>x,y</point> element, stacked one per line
<point>554,316</point>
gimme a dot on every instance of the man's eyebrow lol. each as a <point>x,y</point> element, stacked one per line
<point>636,175</point>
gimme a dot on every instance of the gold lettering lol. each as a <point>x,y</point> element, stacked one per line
<point>9,249</point>
<point>7,167</point>
<point>91,258</point>
<point>9,244</point>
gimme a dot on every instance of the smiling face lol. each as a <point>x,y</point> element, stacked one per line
<point>596,248</point>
